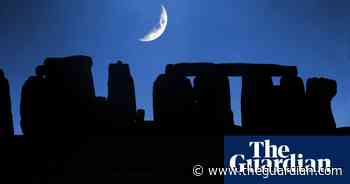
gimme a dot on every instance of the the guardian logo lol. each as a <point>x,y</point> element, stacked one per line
<point>267,155</point>
<point>268,160</point>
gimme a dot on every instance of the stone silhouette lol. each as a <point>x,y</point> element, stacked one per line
<point>258,93</point>
<point>62,93</point>
<point>34,104</point>
<point>255,101</point>
<point>121,92</point>
<point>173,101</point>
<point>72,76</point>
<point>70,134</point>
<point>72,93</point>
<point>6,126</point>
<point>292,105</point>
<point>320,92</point>
<point>212,97</point>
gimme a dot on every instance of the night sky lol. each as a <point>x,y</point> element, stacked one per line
<point>313,35</point>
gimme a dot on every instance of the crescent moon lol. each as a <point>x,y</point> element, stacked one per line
<point>159,29</point>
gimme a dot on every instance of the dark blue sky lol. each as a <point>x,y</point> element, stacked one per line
<point>313,35</point>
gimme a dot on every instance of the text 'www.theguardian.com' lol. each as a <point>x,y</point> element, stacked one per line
<point>266,172</point>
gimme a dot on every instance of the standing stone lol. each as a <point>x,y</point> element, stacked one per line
<point>34,105</point>
<point>6,124</point>
<point>256,101</point>
<point>292,109</point>
<point>121,91</point>
<point>72,76</point>
<point>173,101</point>
<point>72,94</point>
<point>212,94</point>
<point>320,92</point>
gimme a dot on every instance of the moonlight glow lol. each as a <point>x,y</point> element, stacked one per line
<point>159,29</point>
